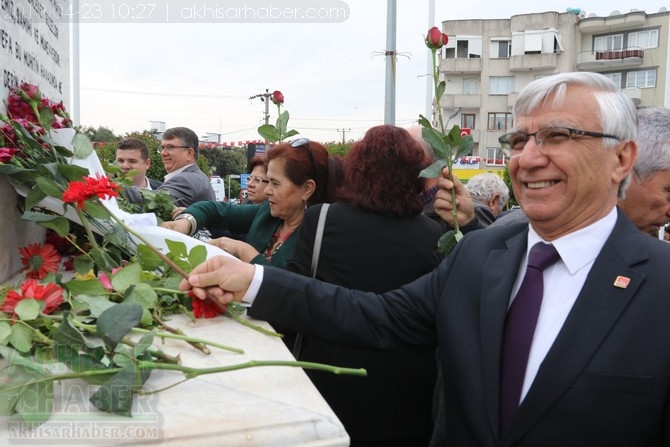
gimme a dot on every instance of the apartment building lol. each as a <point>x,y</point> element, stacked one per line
<point>488,61</point>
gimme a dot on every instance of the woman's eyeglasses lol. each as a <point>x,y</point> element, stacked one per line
<point>305,142</point>
<point>258,180</point>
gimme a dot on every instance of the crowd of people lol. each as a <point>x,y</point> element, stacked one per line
<point>592,178</point>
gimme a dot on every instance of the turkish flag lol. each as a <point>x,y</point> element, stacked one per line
<point>465,131</point>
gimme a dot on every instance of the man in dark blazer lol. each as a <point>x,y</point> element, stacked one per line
<point>185,182</point>
<point>598,372</point>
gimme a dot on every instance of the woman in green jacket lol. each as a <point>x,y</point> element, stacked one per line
<point>298,175</point>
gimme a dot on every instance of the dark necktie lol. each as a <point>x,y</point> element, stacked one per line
<point>520,327</point>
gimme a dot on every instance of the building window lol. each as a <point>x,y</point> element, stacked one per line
<point>535,42</point>
<point>616,77</point>
<point>501,85</point>
<point>463,47</point>
<point>641,79</point>
<point>608,43</point>
<point>643,39</point>
<point>468,120</point>
<point>500,121</point>
<point>470,86</point>
<point>501,49</point>
<point>495,157</point>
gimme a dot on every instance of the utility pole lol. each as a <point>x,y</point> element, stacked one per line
<point>265,97</point>
<point>343,131</point>
<point>390,53</point>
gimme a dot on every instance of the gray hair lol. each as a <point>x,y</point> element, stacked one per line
<point>483,187</point>
<point>616,111</point>
<point>653,139</point>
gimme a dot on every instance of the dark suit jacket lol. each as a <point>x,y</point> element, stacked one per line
<point>154,183</point>
<point>189,186</point>
<point>374,253</point>
<point>604,382</point>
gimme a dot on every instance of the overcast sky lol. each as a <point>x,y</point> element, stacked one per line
<point>201,75</point>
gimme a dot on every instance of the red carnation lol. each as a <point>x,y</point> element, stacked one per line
<point>205,308</point>
<point>51,294</point>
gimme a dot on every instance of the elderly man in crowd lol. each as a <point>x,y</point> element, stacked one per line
<point>551,333</point>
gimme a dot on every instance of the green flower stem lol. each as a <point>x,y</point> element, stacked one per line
<point>199,346</point>
<point>247,323</point>
<point>87,227</point>
<point>42,338</point>
<point>195,372</point>
<point>92,329</point>
<point>154,352</point>
<point>436,77</point>
<point>190,372</point>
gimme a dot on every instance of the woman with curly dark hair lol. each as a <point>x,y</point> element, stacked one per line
<point>375,239</point>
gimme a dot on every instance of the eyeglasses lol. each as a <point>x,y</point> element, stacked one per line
<point>305,142</point>
<point>258,180</point>
<point>171,147</point>
<point>513,143</point>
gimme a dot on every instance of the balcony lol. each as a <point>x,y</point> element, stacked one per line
<point>461,65</point>
<point>530,62</point>
<point>610,60</point>
<point>462,101</point>
<point>592,25</point>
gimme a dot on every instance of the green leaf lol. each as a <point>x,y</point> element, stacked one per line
<point>145,296</point>
<point>144,344</point>
<point>5,331</point>
<point>465,148</point>
<point>38,217</point>
<point>91,287</point>
<point>82,146</point>
<point>282,122</point>
<point>72,173</point>
<point>289,134</point>
<point>27,309</point>
<point>10,169</point>
<point>269,133</point>
<point>60,225</point>
<point>46,118</point>
<point>50,188</point>
<point>21,338</point>
<point>96,210</point>
<point>36,403</point>
<point>438,94</point>
<point>115,322</point>
<point>147,258</point>
<point>434,138</point>
<point>96,305</point>
<point>448,241</point>
<point>126,277</point>
<point>197,255</point>
<point>116,395</point>
<point>83,264</point>
<point>434,170</point>
<point>176,249</point>
<point>34,197</point>
<point>424,122</point>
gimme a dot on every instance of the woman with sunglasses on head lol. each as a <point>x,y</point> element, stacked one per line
<point>297,175</point>
<point>375,239</point>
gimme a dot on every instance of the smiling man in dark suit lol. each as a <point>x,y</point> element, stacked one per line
<point>597,372</point>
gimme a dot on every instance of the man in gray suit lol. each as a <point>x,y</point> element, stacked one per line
<point>185,182</point>
<point>597,372</point>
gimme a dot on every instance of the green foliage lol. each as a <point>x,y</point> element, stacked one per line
<point>107,153</point>
<point>226,161</point>
<point>338,149</point>
<point>508,181</point>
